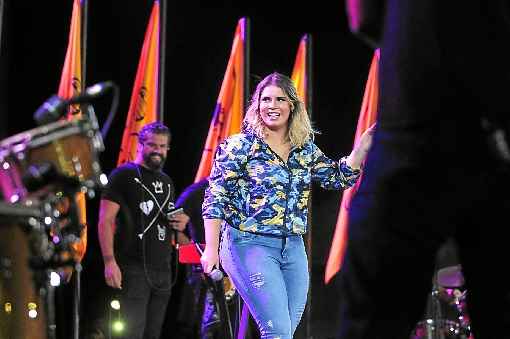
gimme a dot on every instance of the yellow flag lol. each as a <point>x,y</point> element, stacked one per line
<point>71,78</point>
<point>228,113</point>
<point>143,108</point>
<point>299,72</point>
<point>71,85</point>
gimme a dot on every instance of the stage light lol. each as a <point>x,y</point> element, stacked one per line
<point>54,279</point>
<point>103,179</point>
<point>115,304</point>
<point>118,326</point>
<point>32,310</point>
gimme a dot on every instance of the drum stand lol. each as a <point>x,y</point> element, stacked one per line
<point>48,294</point>
<point>40,252</point>
<point>77,301</point>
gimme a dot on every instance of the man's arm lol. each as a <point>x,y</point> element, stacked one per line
<point>108,211</point>
<point>178,222</point>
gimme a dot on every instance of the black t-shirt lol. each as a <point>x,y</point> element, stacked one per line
<point>144,196</point>
<point>191,201</point>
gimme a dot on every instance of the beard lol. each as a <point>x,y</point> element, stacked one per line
<point>152,163</point>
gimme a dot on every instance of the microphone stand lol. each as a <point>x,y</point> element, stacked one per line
<point>220,300</point>
<point>221,305</point>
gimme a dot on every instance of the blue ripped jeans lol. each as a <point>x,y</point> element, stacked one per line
<point>271,275</point>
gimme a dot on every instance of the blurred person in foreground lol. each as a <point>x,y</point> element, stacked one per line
<point>438,168</point>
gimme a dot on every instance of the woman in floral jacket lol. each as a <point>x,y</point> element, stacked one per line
<point>258,195</point>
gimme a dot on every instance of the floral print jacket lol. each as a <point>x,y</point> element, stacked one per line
<point>254,190</point>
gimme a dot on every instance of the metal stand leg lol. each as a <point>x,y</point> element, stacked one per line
<point>221,303</point>
<point>48,292</point>
<point>77,301</point>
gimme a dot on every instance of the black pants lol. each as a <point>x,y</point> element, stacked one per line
<point>144,298</point>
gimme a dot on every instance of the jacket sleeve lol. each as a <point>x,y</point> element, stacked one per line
<point>228,166</point>
<point>331,174</point>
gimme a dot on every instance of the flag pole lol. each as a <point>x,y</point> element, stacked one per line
<point>84,25</point>
<point>162,57</point>
<point>1,23</point>
<point>309,75</point>
<point>243,314</point>
<point>246,78</point>
<point>3,68</point>
<point>309,106</point>
<point>77,266</point>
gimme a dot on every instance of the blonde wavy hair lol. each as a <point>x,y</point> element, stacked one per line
<point>300,127</point>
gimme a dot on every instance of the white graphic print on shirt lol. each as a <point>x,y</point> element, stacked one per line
<point>158,187</point>
<point>161,232</point>
<point>147,206</point>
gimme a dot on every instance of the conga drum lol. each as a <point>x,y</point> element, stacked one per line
<point>22,313</point>
<point>71,147</point>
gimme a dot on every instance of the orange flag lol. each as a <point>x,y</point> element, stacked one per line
<point>143,107</point>
<point>228,113</point>
<point>367,118</point>
<point>71,78</point>
<point>299,72</point>
<point>71,85</point>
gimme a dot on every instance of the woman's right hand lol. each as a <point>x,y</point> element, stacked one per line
<point>209,260</point>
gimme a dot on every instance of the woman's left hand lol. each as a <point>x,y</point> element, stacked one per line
<point>365,141</point>
<point>360,151</point>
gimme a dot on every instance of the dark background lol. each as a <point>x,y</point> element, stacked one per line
<point>199,38</point>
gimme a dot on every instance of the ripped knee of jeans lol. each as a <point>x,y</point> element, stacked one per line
<point>257,280</point>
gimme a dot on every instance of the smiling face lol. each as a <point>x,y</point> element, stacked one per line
<point>275,108</point>
<point>153,151</point>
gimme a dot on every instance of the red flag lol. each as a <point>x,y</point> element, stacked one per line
<point>228,114</point>
<point>143,108</point>
<point>299,72</point>
<point>71,85</point>
<point>367,118</point>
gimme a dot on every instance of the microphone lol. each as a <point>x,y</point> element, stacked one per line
<point>53,108</point>
<point>215,274</point>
